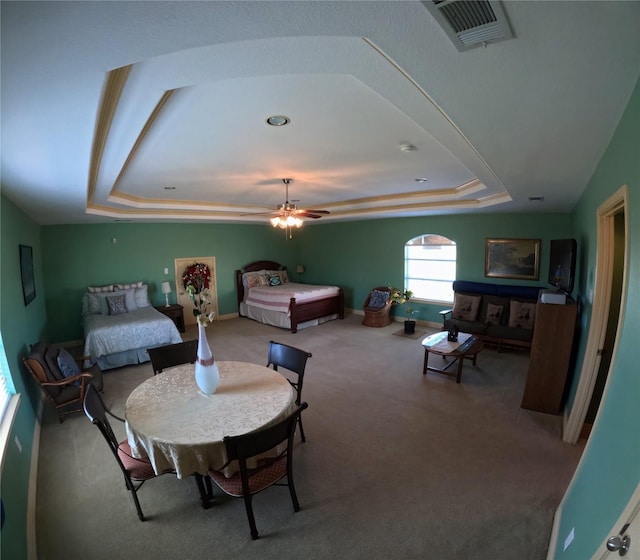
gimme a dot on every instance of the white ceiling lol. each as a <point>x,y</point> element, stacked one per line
<point>156,111</point>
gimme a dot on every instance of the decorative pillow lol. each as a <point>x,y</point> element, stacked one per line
<point>378,298</point>
<point>66,364</point>
<point>116,304</point>
<point>128,286</point>
<point>142,297</point>
<point>274,280</point>
<point>129,300</point>
<point>100,289</point>
<point>494,314</point>
<point>254,279</point>
<point>284,277</point>
<point>522,315</point>
<point>465,307</point>
<point>90,304</point>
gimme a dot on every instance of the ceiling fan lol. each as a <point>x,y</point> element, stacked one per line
<point>288,215</point>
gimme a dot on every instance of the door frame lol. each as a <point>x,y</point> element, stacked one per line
<point>574,419</point>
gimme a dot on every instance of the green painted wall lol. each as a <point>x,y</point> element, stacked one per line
<point>610,468</point>
<point>355,255</point>
<point>361,255</point>
<point>77,256</point>
<point>21,326</point>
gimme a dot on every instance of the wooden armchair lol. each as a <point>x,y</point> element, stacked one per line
<point>377,307</point>
<point>65,393</point>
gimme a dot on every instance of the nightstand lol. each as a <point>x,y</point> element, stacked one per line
<point>174,312</point>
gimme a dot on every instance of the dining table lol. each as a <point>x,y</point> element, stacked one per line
<point>179,428</point>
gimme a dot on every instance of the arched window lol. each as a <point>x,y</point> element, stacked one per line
<point>430,267</point>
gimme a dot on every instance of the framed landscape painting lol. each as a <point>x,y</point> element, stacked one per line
<point>26,272</point>
<point>512,258</point>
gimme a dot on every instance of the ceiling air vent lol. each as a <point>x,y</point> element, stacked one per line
<point>470,23</point>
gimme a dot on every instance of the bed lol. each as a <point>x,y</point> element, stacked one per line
<point>278,302</point>
<point>120,324</point>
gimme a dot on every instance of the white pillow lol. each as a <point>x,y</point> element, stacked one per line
<point>142,297</point>
<point>100,289</point>
<point>128,286</point>
<point>90,304</point>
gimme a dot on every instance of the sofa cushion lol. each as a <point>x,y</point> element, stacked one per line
<point>494,314</point>
<point>471,327</point>
<point>522,315</point>
<point>494,300</point>
<point>465,307</point>
<point>509,333</point>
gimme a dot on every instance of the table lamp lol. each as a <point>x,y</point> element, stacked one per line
<point>165,288</point>
<point>300,270</point>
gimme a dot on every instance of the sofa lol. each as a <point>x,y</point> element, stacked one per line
<point>496,313</point>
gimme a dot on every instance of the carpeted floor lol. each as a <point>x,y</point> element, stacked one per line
<point>414,335</point>
<point>396,464</point>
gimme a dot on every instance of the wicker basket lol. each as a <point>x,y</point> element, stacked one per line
<point>376,316</point>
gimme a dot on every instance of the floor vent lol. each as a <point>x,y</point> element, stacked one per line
<point>470,23</point>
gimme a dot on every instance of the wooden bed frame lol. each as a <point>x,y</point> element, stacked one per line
<point>299,312</point>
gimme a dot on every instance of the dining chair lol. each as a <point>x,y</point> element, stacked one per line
<point>267,472</point>
<point>294,360</point>
<point>173,355</point>
<point>134,470</point>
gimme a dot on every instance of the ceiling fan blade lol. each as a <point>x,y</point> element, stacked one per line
<point>269,213</point>
<point>307,214</point>
<point>316,211</point>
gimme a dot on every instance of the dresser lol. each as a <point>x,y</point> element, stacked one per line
<point>551,349</point>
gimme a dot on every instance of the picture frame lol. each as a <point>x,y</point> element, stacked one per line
<point>512,258</point>
<point>26,273</point>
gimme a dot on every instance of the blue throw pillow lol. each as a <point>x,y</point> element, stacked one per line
<point>68,366</point>
<point>378,298</point>
<point>274,280</point>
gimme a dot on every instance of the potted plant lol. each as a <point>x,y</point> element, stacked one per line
<point>401,297</point>
<point>409,324</point>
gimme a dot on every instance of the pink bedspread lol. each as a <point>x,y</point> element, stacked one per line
<point>277,298</point>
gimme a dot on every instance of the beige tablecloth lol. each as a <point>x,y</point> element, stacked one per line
<point>170,421</point>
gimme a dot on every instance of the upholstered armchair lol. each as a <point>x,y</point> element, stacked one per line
<point>377,307</point>
<point>61,377</point>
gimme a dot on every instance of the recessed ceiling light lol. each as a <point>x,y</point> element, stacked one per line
<point>278,120</point>
<point>421,180</point>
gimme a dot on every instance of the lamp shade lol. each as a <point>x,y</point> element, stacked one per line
<point>165,287</point>
<point>300,269</point>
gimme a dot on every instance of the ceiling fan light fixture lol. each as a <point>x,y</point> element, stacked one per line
<point>278,120</point>
<point>284,222</point>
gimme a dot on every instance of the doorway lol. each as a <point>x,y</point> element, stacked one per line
<point>183,298</point>
<point>606,314</point>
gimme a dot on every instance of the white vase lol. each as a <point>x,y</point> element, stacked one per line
<point>207,374</point>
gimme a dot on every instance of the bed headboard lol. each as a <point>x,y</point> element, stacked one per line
<point>253,267</point>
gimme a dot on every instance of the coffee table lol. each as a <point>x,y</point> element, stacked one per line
<point>467,346</point>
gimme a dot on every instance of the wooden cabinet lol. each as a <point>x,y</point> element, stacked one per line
<point>175,313</point>
<point>550,357</point>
